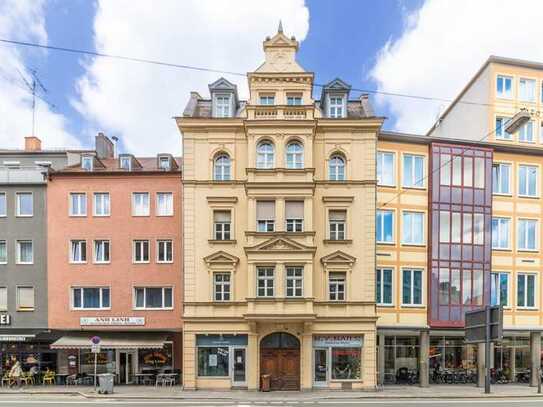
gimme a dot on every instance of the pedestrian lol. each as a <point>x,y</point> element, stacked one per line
<point>15,374</point>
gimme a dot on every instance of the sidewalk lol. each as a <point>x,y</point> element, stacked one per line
<point>389,392</point>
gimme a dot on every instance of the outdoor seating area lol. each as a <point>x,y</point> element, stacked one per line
<point>28,378</point>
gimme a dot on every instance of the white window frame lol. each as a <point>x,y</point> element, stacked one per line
<point>4,307</point>
<point>500,227</point>
<point>269,281</point>
<point>163,308</point>
<point>536,194</point>
<point>500,132</point>
<point>87,160</point>
<point>5,243</point>
<point>525,283</point>
<point>266,99</point>
<point>18,300</point>
<point>335,175</point>
<point>102,196</point>
<point>79,242</point>
<point>412,176</point>
<point>297,281</point>
<point>500,166</point>
<point>393,241</point>
<point>337,283</point>
<point>157,210</point>
<point>5,213</point>
<point>222,284</point>
<point>71,202</point>
<point>523,132</point>
<point>536,233</point>
<point>336,110</point>
<point>294,100</point>
<point>18,257</point>
<point>423,237</point>
<point>158,243</point>
<point>146,210</point>
<point>222,105</point>
<point>219,227</point>
<point>125,160</point>
<point>525,97</point>
<point>94,251</point>
<point>298,156</point>
<point>411,286</point>
<point>382,287</point>
<point>334,226</point>
<point>18,204</point>
<point>504,95</point>
<point>265,160</point>
<point>380,164</point>
<point>164,159</point>
<point>140,249</point>
<point>219,168</point>
<point>82,307</point>
<point>498,294</point>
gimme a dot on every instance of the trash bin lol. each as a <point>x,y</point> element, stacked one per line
<point>265,384</point>
<point>106,383</point>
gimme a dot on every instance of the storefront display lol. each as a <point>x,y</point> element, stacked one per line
<point>337,357</point>
<point>105,361</point>
<point>156,359</point>
<point>401,354</point>
<point>29,354</point>
<point>512,356</point>
<point>217,353</point>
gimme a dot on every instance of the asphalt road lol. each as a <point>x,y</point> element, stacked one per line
<point>72,401</point>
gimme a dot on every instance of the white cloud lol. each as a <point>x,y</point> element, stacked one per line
<point>23,20</point>
<point>137,101</point>
<point>444,44</point>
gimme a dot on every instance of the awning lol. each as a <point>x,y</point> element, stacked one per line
<point>118,340</point>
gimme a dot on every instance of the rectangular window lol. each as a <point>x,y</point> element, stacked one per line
<point>503,87</point>
<point>413,170</point>
<point>526,290</point>
<point>501,124</point>
<point>164,251</point>
<point>164,204</point>
<point>457,170</point>
<point>265,282</point>
<point>221,225</point>
<point>87,163</point>
<point>222,106</point>
<point>141,251</point>
<point>385,226</point>
<point>101,204</point>
<point>140,204</point>
<point>337,220</point>
<point>444,286</point>
<point>78,204</point>
<point>444,226</point>
<point>101,251</point>
<point>526,232</point>
<point>25,299</point>
<point>336,286</point>
<point>25,204</point>
<point>91,298</point>
<point>265,216</point>
<point>78,251</point>
<point>221,283</point>
<point>527,180</point>
<point>3,204</point>
<point>3,252</point>
<point>153,297</point>
<point>445,169</point>
<point>499,289</point>
<point>335,107</point>
<point>25,252</point>
<point>125,163</point>
<point>468,171</point>
<point>501,178</point>
<point>294,100</point>
<point>526,133</point>
<point>385,168</point>
<point>294,215</point>
<point>295,281</point>
<point>501,230</point>
<point>383,280</point>
<point>411,287</point>
<point>413,228</point>
<point>346,363</point>
<point>164,163</point>
<point>3,298</point>
<point>213,361</point>
<point>267,100</point>
<point>467,232</point>
<point>478,228</point>
<point>526,90</point>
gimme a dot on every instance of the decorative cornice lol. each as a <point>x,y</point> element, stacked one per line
<point>222,199</point>
<point>337,198</point>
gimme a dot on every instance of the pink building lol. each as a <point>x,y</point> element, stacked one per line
<point>115,264</point>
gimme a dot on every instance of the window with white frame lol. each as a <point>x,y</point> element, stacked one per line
<point>91,298</point>
<point>153,297</point>
<point>87,163</point>
<point>385,168</point>
<point>78,204</point>
<point>383,291</point>
<point>78,251</point>
<point>25,298</point>
<point>501,178</point>
<point>527,180</point>
<point>101,251</point>
<point>3,252</point>
<point>526,232</point>
<point>294,99</point>
<point>3,298</point>
<point>337,286</point>
<point>267,100</point>
<point>336,168</point>
<point>411,287</point>
<point>125,163</point>
<point>222,223</point>
<point>222,168</point>
<point>413,227</point>
<point>295,155</point>
<point>25,252</point>
<point>526,133</point>
<point>164,251</point>
<point>141,251</point>
<point>222,106</point>
<point>140,204</point>
<point>501,133</point>
<point>101,204</point>
<point>526,90</point>
<point>164,204</point>
<point>265,286</point>
<point>336,107</point>
<point>24,204</point>
<point>501,230</point>
<point>499,289</point>
<point>294,216</point>
<point>3,204</point>
<point>221,284</point>
<point>164,163</point>
<point>385,226</point>
<point>526,290</point>
<point>295,281</point>
<point>413,171</point>
<point>504,87</point>
<point>337,223</point>
<point>265,216</point>
<point>265,155</point>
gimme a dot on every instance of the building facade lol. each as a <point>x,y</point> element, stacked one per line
<point>279,203</point>
<point>115,265</point>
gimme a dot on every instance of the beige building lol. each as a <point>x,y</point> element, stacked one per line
<point>279,230</point>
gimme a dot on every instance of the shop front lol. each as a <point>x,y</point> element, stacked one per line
<point>29,347</point>
<point>336,359</point>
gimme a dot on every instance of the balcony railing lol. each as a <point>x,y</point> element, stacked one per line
<point>280,112</point>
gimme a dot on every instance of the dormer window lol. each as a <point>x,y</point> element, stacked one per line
<point>164,163</point>
<point>222,106</point>
<point>125,163</point>
<point>294,100</point>
<point>87,163</point>
<point>267,100</point>
<point>336,107</point>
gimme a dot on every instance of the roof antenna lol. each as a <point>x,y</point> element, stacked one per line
<point>280,28</point>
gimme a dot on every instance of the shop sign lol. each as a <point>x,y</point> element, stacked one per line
<point>221,340</point>
<point>337,341</point>
<point>13,338</point>
<point>112,321</point>
<point>5,319</point>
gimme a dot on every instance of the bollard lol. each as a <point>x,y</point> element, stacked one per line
<point>539,380</point>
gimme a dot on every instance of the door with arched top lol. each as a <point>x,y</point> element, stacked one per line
<point>280,358</point>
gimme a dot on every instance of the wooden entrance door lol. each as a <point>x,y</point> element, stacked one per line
<point>281,362</point>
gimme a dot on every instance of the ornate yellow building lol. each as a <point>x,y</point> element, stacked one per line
<point>279,232</point>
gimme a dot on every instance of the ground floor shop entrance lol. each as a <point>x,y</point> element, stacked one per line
<point>280,359</point>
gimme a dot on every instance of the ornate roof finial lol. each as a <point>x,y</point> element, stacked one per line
<point>280,28</point>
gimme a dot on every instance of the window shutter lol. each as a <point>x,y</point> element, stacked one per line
<point>26,297</point>
<point>221,216</point>
<point>265,210</point>
<point>3,298</point>
<point>337,215</point>
<point>294,209</point>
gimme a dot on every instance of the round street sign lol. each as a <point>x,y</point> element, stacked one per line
<point>95,340</point>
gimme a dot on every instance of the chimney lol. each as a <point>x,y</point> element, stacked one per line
<point>32,144</point>
<point>104,146</point>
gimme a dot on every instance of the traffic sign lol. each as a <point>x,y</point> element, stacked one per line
<point>476,323</point>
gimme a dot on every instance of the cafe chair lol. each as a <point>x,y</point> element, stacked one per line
<point>6,379</point>
<point>49,378</point>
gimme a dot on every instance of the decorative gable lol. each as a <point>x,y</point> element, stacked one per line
<point>222,84</point>
<point>280,245</point>
<point>221,258</point>
<point>338,259</point>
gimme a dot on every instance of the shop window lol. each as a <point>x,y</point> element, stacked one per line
<point>346,363</point>
<point>164,204</point>
<point>140,204</point>
<point>385,168</point>
<point>164,251</point>
<point>213,361</point>
<point>156,359</point>
<point>105,362</point>
<point>501,230</point>
<point>78,204</point>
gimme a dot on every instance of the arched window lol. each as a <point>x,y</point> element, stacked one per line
<point>264,155</point>
<point>221,168</point>
<point>295,155</point>
<point>336,168</point>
